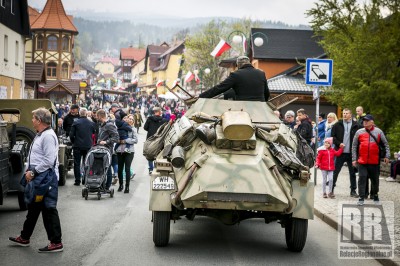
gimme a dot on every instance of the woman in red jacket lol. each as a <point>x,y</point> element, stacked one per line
<point>326,162</point>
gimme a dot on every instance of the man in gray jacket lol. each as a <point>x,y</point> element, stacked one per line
<point>108,136</point>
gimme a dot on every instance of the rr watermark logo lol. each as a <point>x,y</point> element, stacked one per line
<point>366,232</point>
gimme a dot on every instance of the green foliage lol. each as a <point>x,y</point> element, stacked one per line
<point>365,47</point>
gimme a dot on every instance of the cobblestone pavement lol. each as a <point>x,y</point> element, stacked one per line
<point>327,209</point>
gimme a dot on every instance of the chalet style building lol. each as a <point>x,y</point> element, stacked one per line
<point>52,45</point>
<point>14,30</point>
<point>129,57</point>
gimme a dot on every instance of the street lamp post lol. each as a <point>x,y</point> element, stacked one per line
<point>237,37</point>
<point>200,74</point>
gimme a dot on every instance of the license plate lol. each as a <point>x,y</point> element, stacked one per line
<point>163,183</point>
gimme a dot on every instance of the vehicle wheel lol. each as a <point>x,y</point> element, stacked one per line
<point>63,172</point>
<point>161,226</point>
<point>86,194</point>
<point>25,134</point>
<point>21,201</point>
<point>111,193</point>
<point>296,234</point>
<point>98,196</point>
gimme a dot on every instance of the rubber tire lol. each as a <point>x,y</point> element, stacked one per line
<point>24,133</point>
<point>111,193</point>
<point>83,192</point>
<point>21,201</point>
<point>86,194</point>
<point>296,234</point>
<point>98,196</point>
<point>161,228</point>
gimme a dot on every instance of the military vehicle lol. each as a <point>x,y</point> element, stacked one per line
<point>12,165</point>
<point>19,112</point>
<point>231,160</point>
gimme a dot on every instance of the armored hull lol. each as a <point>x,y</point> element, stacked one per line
<point>231,160</point>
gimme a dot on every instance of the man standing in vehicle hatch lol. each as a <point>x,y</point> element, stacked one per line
<point>249,83</point>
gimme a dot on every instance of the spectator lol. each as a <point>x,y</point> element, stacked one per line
<point>321,129</point>
<point>343,132</point>
<point>138,120</point>
<point>305,128</point>
<point>151,126</point>
<point>117,111</point>
<point>81,136</point>
<point>108,136</point>
<point>125,156</point>
<point>42,173</point>
<point>70,118</point>
<point>365,154</point>
<point>331,120</point>
<point>290,119</point>
<point>325,162</point>
<point>394,168</point>
<point>60,129</point>
<point>360,114</point>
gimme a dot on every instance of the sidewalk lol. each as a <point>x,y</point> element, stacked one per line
<point>327,209</point>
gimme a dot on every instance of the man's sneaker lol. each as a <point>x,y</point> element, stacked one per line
<point>77,184</point>
<point>376,199</point>
<point>324,196</point>
<point>390,179</point>
<point>331,195</point>
<point>353,194</point>
<point>360,202</point>
<point>19,241</point>
<point>52,248</point>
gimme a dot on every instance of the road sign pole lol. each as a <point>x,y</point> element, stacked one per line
<point>316,132</point>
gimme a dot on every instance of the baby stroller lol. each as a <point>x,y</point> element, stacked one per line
<point>97,161</point>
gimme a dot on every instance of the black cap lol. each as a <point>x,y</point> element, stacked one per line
<point>368,118</point>
<point>74,106</point>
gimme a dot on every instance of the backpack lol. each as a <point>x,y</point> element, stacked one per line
<point>154,144</point>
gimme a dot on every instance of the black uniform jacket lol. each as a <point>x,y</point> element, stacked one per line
<point>249,84</point>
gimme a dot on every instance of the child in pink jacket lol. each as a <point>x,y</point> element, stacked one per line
<point>326,162</point>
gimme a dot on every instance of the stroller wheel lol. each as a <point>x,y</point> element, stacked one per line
<point>111,193</point>
<point>98,195</point>
<point>83,192</point>
<point>86,193</point>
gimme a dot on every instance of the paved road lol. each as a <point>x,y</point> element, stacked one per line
<point>119,231</point>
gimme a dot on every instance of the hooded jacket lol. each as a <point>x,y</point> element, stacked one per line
<point>326,158</point>
<point>152,124</point>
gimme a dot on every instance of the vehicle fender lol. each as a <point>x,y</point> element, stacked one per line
<point>304,196</point>
<point>160,200</point>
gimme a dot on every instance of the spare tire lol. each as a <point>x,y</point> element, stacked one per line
<point>25,134</point>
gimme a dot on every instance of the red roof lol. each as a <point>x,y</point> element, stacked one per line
<point>112,60</point>
<point>33,14</point>
<point>132,53</point>
<point>54,17</point>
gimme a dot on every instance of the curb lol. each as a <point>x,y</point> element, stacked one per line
<point>334,224</point>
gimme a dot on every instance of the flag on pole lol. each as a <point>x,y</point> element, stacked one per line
<point>244,42</point>
<point>197,79</point>
<point>220,48</point>
<point>177,81</point>
<point>189,76</point>
<point>159,83</point>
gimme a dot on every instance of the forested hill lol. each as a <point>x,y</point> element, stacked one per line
<point>98,35</point>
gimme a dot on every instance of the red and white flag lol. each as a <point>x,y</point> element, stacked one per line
<point>244,42</point>
<point>159,83</point>
<point>177,81</point>
<point>197,79</point>
<point>189,76</point>
<point>220,48</point>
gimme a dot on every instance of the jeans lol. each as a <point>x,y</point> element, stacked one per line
<point>124,162</point>
<point>151,165</point>
<point>372,172</point>
<point>340,160</point>
<point>78,155</point>
<point>51,222</point>
<point>109,178</point>
<point>114,164</point>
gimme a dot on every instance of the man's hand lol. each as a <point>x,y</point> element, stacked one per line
<point>102,142</point>
<point>28,176</point>
<point>354,163</point>
<point>386,160</point>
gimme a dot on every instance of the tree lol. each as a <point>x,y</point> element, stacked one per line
<point>365,47</point>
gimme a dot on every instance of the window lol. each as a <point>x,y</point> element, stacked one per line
<point>52,70</point>
<point>16,52</point>
<point>127,63</point>
<point>65,43</point>
<point>39,42</point>
<point>6,48</point>
<point>64,71</point>
<point>52,43</point>
<point>127,76</point>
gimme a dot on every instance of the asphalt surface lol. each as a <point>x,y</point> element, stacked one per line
<point>119,231</point>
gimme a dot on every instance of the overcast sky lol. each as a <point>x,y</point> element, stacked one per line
<point>287,11</point>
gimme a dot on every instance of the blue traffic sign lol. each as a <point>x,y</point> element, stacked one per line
<point>319,72</point>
